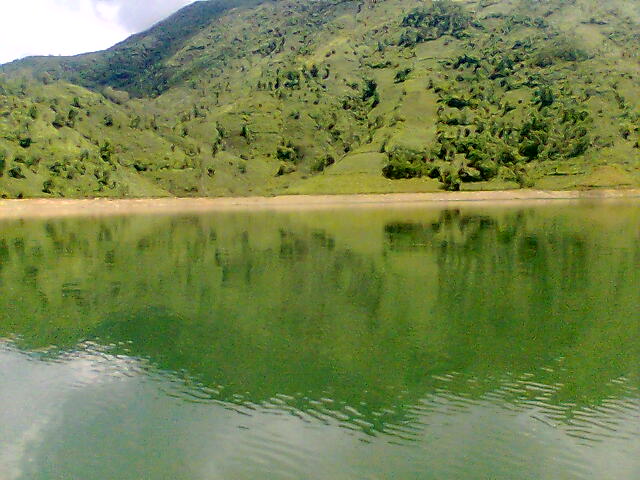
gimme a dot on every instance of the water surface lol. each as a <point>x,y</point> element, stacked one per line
<point>409,343</point>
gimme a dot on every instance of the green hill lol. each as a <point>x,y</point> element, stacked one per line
<point>249,97</point>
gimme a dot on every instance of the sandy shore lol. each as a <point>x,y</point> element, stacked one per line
<point>99,207</point>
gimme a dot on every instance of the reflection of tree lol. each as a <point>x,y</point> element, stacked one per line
<point>518,294</point>
<point>265,306</point>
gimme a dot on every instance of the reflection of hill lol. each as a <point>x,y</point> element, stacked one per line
<point>265,305</point>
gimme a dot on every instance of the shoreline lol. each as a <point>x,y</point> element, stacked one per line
<point>46,207</point>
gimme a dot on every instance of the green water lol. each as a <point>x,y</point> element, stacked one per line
<point>400,343</point>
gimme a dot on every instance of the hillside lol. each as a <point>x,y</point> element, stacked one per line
<point>240,98</point>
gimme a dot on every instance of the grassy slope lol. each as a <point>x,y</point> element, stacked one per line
<point>271,98</point>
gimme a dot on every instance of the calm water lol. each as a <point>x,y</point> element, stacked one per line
<point>470,343</point>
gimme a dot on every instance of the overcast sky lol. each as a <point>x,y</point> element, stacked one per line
<point>68,27</point>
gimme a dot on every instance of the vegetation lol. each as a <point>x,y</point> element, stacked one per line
<point>257,99</point>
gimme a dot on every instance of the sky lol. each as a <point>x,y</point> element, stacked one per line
<point>69,27</point>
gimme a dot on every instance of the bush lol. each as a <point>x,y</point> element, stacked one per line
<point>106,150</point>
<point>470,174</point>
<point>323,163</point>
<point>47,186</point>
<point>455,101</point>
<point>397,169</point>
<point>562,50</point>
<point>135,122</point>
<point>285,168</point>
<point>441,18</point>
<point>245,132</point>
<point>369,90</point>
<point>16,172</point>
<point>71,117</point>
<point>405,163</point>
<point>530,149</point>
<point>544,97</point>
<point>59,121</point>
<point>488,169</point>
<point>523,178</point>
<point>291,79</point>
<point>579,146</point>
<point>3,162</point>
<point>450,180</point>
<point>402,75</point>
<point>288,153</point>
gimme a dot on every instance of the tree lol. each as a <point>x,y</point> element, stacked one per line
<point>106,150</point>
<point>369,90</point>
<point>59,121</point>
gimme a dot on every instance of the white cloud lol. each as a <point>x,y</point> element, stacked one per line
<point>69,27</point>
<point>136,15</point>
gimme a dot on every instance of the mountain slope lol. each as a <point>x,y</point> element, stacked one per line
<point>138,64</point>
<point>334,96</point>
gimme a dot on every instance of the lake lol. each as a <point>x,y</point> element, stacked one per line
<point>417,342</point>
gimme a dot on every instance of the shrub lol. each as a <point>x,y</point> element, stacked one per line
<point>402,75</point>
<point>323,163</point>
<point>3,162</point>
<point>506,156</point>
<point>71,117</point>
<point>59,121</point>
<point>405,163</point>
<point>470,174</point>
<point>106,150</point>
<point>292,79</point>
<point>523,178</point>
<point>544,97</point>
<point>369,90</point>
<point>450,180</point>
<point>530,149</point>
<point>562,50</point>
<point>488,169</point>
<point>579,146</point>
<point>288,153</point>
<point>441,18</point>
<point>245,132</point>
<point>458,102</point>
<point>285,168</point>
<point>16,172</point>
<point>397,169</point>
